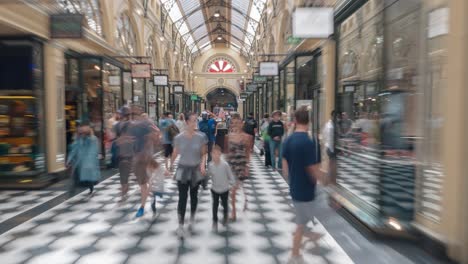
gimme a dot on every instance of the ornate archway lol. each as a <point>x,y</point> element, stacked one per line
<point>221,97</point>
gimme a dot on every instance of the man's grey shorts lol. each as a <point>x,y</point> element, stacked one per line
<point>304,212</point>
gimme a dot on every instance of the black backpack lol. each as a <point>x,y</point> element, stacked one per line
<point>249,126</point>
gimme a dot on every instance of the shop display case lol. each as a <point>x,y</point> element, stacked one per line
<point>18,135</point>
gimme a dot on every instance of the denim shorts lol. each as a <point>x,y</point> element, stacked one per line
<point>304,212</point>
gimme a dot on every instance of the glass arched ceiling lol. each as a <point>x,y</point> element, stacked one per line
<point>203,22</point>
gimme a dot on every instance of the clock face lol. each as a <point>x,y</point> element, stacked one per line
<point>221,66</point>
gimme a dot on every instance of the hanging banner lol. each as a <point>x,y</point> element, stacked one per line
<point>66,26</point>
<point>141,70</point>
<point>269,68</point>
<point>178,88</point>
<point>160,80</point>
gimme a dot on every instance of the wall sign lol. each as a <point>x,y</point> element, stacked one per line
<point>259,79</point>
<point>141,70</point>
<point>252,87</point>
<point>114,80</point>
<point>194,97</point>
<point>178,88</point>
<point>269,68</point>
<point>66,26</point>
<point>438,22</point>
<point>152,98</point>
<point>160,80</point>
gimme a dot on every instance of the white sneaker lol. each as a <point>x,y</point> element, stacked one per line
<point>180,232</point>
<point>296,260</point>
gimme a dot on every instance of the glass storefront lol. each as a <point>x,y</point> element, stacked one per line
<point>95,88</point>
<point>377,102</point>
<point>299,84</point>
<point>21,109</point>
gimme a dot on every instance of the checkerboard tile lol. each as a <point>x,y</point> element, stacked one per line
<point>385,184</point>
<point>13,203</point>
<point>98,229</point>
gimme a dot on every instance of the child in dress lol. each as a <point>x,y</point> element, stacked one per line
<point>222,180</point>
<point>158,174</point>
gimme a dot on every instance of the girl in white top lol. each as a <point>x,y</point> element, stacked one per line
<point>157,174</point>
<point>181,123</point>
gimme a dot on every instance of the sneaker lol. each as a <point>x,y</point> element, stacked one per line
<point>140,212</point>
<point>153,206</point>
<point>191,224</point>
<point>296,260</point>
<point>180,232</point>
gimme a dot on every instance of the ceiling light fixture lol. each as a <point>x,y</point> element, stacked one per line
<point>220,37</point>
<point>161,38</point>
<point>175,52</point>
<point>217,14</point>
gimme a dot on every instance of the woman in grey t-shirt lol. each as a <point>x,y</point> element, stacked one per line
<point>190,145</point>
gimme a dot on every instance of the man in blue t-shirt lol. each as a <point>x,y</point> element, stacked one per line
<point>301,166</point>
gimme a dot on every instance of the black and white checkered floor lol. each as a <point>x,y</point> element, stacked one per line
<point>13,203</point>
<point>97,229</point>
<point>385,184</point>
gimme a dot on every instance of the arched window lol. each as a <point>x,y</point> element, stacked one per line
<point>126,37</point>
<point>89,8</point>
<point>150,51</point>
<point>221,65</point>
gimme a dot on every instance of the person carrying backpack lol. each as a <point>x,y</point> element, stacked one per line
<point>169,131</point>
<point>251,127</point>
<point>124,149</point>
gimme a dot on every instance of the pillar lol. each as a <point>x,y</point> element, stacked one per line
<point>54,81</point>
<point>455,141</point>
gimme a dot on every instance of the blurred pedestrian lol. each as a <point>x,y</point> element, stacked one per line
<point>180,123</point>
<point>266,139</point>
<point>83,159</point>
<point>222,180</point>
<point>276,132</point>
<point>301,167</point>
<point>157,174</point>
<point>167,137</point>
<point>124,145</point>
<point>251,128</point>
<point>191,146</point>
<point>237,148</point>
<point>146,136</point>
<point>329,138</point>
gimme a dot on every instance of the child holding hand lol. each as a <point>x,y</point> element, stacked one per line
<point>158,174</point>
<point>222,180</point>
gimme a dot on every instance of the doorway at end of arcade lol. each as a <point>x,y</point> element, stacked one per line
<point>221,99</point>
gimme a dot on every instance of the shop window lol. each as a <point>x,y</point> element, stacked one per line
<point>93,96</point>
<point>139,93</point>
<point>89,8</point>
<point>112,91</point>
<point>21,114</point>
